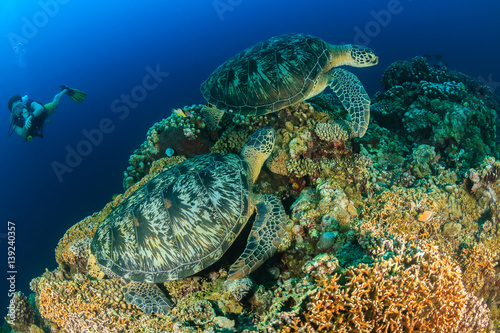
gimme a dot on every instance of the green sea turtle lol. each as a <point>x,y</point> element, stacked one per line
<point>286,70</point>
<point>184,219</point>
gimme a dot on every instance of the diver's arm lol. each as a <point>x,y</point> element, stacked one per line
<point>37,108</point>
<point>21,131</point>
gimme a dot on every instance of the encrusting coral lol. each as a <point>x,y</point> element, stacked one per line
<point>396,231</point>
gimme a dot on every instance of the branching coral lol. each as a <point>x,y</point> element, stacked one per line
<point>417,291</point>
<point>398,212</point>
<point>479,267</point>
<point>365,214</point>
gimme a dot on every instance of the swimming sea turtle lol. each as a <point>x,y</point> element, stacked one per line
<point>286,70</point>
<point>184,219</point>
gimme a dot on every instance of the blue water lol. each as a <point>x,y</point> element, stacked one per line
<point>109,48</point>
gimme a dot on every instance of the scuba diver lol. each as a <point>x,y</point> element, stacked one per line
<point>27,116</point>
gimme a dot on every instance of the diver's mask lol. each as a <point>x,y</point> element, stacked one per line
<point>17,109</point>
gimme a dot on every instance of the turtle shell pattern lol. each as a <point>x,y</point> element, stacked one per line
<point>269,76</point>
<point>178,223</point>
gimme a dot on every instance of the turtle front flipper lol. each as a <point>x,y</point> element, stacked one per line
<point>147,296</point>
<point>267,232</point>
<point>353,97</point>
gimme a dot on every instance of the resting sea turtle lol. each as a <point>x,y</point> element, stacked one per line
<point>286,70</point>
<point>184,219</point>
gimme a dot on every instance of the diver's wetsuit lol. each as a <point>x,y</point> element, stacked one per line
<point>36,128</point>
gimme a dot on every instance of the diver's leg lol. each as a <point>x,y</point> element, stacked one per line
<point>51,107</point>
<point>57,98</point>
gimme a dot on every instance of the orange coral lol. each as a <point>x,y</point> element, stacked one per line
<point>82,305</point>
<point>418,291</point>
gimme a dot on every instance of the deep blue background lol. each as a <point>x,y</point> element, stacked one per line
<point>104,48</point>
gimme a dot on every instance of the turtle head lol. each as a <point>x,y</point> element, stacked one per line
<point>362,56</point>
<point>258,148</point>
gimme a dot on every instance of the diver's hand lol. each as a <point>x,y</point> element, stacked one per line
<point>28,122</point>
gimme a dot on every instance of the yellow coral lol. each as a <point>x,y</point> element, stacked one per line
<point>397,212</point>
<point>231,141</point>
<point>331,132</point>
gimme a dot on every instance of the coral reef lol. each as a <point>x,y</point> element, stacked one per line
<point>447,110</point>
<point>393,232</point>
<point>331,132</point>
<point>418,290</point>
<point>23,315</point>
<point>177,133</point>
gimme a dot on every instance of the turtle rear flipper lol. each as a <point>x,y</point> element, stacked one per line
<point>267,232</point>
<point>212,116</point>
<point>353,97</point>
<point>147,296</point>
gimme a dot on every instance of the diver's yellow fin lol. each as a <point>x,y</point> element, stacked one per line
<point>75,94</point>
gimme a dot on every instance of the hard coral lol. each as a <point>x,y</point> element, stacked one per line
<point>276,163</point>
<point>396,212</point>
<point>331,132</point>
<point>417,291</point>
<point>447,110</point>
<point>479,267</point>
<point>69,251</point>
<point>82,305</point>
<point>231,141</point>
<point>22,314</point>
<point>182,134</point>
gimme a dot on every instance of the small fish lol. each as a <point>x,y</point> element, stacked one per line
<point>179,112</point>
